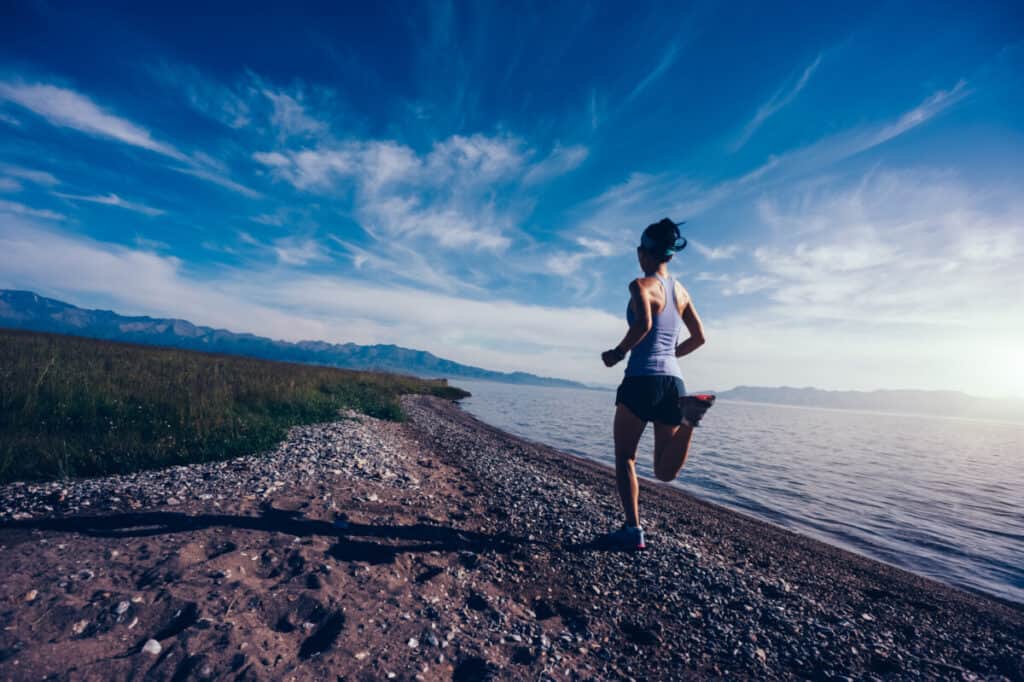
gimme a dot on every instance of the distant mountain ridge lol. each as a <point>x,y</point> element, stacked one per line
<point>27,310</point>
<point>938,403</point>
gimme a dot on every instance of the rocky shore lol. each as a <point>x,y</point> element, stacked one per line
<point>463,553</point>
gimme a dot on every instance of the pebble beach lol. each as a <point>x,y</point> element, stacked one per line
<point>460,552</point>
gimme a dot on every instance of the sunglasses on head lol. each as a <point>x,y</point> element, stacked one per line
<point>649,245</point>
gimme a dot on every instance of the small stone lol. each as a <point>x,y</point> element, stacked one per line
<point>79,627</point>
<point>867,616</point>
<point>361,655</point>
<point>122,607</point>
<point>32,594</point>
<point>173,501</point>
<point>413,643</point>
<point>152,647</point>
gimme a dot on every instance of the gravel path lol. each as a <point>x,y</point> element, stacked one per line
<point>466,553</point>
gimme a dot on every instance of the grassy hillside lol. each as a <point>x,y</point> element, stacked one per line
<point>71,406</point>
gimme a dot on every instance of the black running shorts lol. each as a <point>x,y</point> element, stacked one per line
<point>653,398</point>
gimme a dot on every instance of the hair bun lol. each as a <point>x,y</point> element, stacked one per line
<point>663,238</point>
<point>664,232</point>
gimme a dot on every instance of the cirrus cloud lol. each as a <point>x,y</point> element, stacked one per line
<point>69,109</point>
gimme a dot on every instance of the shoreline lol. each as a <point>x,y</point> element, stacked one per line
<point>749,516</point>
<point>665,493</point>
<point>751,538</point>
<point>468,554</point>
<point>817,490</point>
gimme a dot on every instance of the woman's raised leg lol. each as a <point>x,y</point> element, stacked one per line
<point>627,430</point>
<point>671,446</point>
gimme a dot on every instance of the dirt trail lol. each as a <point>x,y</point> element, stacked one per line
<point>466,554</point>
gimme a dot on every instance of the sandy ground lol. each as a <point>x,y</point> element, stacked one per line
<point>466,554</point>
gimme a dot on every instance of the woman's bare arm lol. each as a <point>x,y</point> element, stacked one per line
<point>643,320</point>
<point>693,325</point>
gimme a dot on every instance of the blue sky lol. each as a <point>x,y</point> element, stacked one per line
<point>472,178</point>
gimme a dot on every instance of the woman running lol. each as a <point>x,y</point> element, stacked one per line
<point>653,389</point>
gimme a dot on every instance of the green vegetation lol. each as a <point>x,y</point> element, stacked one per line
<point>72,406</point>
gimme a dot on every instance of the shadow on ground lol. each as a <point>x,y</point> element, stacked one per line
<point>352,543</point>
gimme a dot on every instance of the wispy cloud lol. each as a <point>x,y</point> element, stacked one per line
<point>113,200</point>
<point>841,146</point>
<point>35,176</point>
<point>668,58</point>
<point>292,251</point>
<point>417,268</point>
<point>251,102</point>
<point>783,96</point>
<point>447,226</point>
<point>561,160</point>
<point>275,219</point>
<point>446,197</point>
<point>218,179</point>
<point>747,284</point>
<point>737,284</point>
<point>14,208</point>
<point>290,116</point>
<point>9,185</point>
<point>715,252</point>
<point>206,96</point>
<point>598,247</point>
<point>933,105</point>
<point>627,206</point>
<point>66,108</point>
<point>858,255</point>
<point>150,244</point>
<point>478,157</point>
<point>586,248</point>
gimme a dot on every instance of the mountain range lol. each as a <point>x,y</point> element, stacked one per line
<point>27,310</point>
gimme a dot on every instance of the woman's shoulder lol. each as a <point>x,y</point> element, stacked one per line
<point>682,295</point>
<point>645,282</point>
<point>644,285</point>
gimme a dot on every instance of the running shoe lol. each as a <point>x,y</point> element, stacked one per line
<point>627,537</point>
<point>694,406</point>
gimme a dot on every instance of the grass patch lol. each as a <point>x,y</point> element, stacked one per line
<point>72,406</point>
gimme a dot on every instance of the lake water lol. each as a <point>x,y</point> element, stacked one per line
<point>939,497</point>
